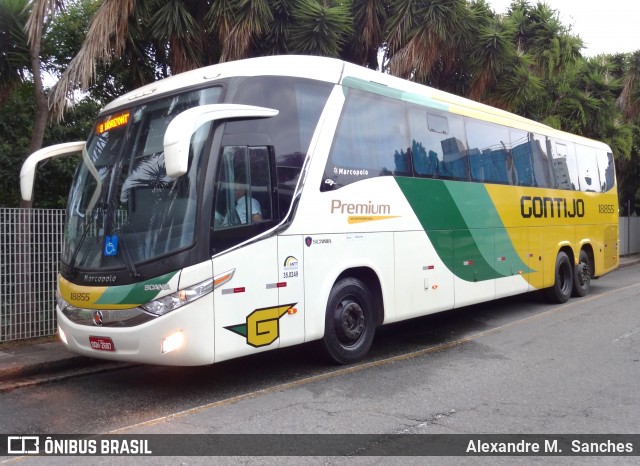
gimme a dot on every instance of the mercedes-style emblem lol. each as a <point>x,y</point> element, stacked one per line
<point>98,318</point>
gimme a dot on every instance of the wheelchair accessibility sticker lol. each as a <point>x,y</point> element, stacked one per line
<point>110,245</point>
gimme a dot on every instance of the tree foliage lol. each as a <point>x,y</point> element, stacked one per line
<point>525,61</point>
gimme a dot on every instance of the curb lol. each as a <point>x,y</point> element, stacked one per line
<point>629,263</point>
<point>29,375</point>
<point>24,371</point>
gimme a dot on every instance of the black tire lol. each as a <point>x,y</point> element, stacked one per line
<point>560,292</point>
<point>582,275</point>
<point>349,322</point>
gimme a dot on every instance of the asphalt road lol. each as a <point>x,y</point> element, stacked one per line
<point>517,365</point>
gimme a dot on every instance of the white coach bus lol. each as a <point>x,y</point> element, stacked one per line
<point>268,202</point>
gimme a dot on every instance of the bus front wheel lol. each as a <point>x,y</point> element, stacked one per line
<point>560,292</point>
<point>349,322</point>
<point>582,275</point>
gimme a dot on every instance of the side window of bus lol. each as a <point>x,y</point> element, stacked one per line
<point>588,168</point>
<point>606,169</point>
<point>542,162</point>
<point>242,194</point>
<point>371,140</point>
<point>564,165</point>
<point>437,144</point>
<point>300,103</point>
<point>522,150</point>
<point>530,160</point>
<point>489,156</point>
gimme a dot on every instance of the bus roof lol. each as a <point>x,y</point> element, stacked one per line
<point>318,68</point>
<point>337,71</point>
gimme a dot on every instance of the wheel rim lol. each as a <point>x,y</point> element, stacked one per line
<point>583,274</point>
<point>349,322</point>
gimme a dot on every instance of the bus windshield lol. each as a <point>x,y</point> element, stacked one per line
<point>123,208</point>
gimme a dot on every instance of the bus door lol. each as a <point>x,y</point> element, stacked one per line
<point>245,261</point>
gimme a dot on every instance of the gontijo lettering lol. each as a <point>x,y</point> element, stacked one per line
<point>550,207</point>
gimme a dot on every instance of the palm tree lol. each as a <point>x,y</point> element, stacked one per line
<point>540,33</point>
<point>178,35</point>
<point>492,50</point>
<point>629,100</point>
<point>14,50</point>
<point>422,32</point>
<point>106,39</point>
<point>20,52</point>
<point>369,22</point>
<point>320,28</point>
<point>237,23</point>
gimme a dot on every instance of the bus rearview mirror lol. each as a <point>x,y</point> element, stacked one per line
<point>177,137</point>
<point>28,170</point>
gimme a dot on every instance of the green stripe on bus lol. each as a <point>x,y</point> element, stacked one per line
<point>381,89</point>
<point>463,226</point>
<point>135,294</point>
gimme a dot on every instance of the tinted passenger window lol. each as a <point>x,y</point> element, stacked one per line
<point>530,161</point>
<point>588,168</point>
<point>437,145</point>
<point>489,158</point>
<point>300,103</point>
<point>564,166</point>
<point>242,188</point>
<point>371,140</point>
<point>606,169</point>
<point>542,162</point>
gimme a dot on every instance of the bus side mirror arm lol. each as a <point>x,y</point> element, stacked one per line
<point>177,137</point>
<point>28,170</point>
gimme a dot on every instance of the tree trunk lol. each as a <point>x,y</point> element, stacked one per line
<point>27,313</point>
<point>42,105</point>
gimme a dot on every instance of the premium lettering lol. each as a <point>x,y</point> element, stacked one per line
<point>551,207</point>
<point>339,207</point>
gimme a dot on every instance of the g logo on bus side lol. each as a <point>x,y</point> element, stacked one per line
<point>262,326</point>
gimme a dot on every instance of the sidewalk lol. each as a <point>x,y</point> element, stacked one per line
<point>22,362</point>
<point>27,363</point>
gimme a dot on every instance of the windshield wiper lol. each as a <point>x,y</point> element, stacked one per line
<point>73,270</point>
<point>131,266</point>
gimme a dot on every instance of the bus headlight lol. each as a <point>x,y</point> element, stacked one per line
<point>162,306</point>
<point>172,342</point>
<point>62,304</point>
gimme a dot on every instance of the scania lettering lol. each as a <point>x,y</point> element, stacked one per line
<point>269,202</point>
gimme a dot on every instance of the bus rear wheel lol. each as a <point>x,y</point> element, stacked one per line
<point>560,292</point>
<point>582,275</point>
<point>349,321</point>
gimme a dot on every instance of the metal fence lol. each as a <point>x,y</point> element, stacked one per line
<point>30,246</point>
<point>629,231</point>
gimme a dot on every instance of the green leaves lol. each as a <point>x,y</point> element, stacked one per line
<point>14,51</point>
<point>525,61</point>
<point>319,28</point>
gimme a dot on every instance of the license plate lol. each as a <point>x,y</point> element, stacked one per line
<point>102,343</point>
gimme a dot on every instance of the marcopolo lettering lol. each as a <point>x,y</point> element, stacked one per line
<point>369,208</point>
<point>99,279</point>
<point>551,207</point>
